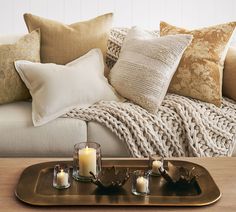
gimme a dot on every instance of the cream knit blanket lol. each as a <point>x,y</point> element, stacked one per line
<point>181,127</point>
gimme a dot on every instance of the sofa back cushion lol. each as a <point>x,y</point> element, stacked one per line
<point>10,39</point>
<point>229,76</point>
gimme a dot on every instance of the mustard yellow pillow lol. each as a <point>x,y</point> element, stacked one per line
<point>12,87</point>
<point>199,74</point>
<point>61,43</point>
<point>229,74</point>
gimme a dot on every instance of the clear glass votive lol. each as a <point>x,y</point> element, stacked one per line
<point>61,176</point>
<point>155,163</point>
<point>140,183</point>
<point>86,159</point>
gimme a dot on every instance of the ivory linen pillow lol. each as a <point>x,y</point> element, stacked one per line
<point>57,89</point>
<point>62,43</point>
<point>146,65</point>
<point>199,74</point>
<point>26,48</point>
<point>229,74</point>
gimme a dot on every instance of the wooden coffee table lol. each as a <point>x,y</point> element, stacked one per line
<point>223,170</point>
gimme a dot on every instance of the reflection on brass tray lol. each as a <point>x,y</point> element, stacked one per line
<point>111,178</point>
<point>34,187</point>
<point>179,176</point>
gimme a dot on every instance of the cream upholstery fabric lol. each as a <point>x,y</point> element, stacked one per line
<point>10,39</point>
<point>146,65</point>
<point>20,138</point>
<point>57,89</point>
<point>111,145</point>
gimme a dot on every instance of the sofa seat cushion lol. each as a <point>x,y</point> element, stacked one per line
<point>20,138</point>
<point>111,145</point>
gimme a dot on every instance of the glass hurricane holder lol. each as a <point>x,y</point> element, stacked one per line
<point>61,176</point>
<point>86,159</point>
<point>155,163</point>
<point>140,183</point>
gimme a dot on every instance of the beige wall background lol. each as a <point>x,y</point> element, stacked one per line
<point>145,13</point>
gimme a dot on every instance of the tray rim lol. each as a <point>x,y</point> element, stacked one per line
<point>117,160</point>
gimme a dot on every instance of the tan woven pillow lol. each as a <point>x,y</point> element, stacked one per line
<point>61,43</point>
<point>11,86</point>
<point>146,65</point>
<point>229,74</point>
<point>199,74</point>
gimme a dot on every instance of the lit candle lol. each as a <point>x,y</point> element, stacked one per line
<point>142,185</point>
<point>62,178</point>
<point>156,164</point>
<point>87,161</point>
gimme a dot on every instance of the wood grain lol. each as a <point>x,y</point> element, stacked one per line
<point>221,169</point>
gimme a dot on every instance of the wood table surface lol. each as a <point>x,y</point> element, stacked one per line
<point>223,171</point>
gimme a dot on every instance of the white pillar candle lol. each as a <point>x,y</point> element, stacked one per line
<point>87,161</point>
<point>62,178</point>
<point>142,185</point>
<point>156,164</point>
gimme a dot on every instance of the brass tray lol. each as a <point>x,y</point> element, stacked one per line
<point>35,188</point>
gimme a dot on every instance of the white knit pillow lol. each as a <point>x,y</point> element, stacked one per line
<point>146,65</point>
<point>57,89</point>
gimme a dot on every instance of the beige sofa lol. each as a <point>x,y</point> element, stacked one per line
<point>18,137</point>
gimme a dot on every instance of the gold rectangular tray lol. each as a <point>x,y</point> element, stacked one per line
<point>35,188</point>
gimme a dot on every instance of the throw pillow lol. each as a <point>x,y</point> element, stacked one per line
<point>26,48</point>
<point>115,41</point>
<point>146,65</point>
<point>61,43</point>
<point>199,74</point>
<point>57,89</point>
<point>229,74</point>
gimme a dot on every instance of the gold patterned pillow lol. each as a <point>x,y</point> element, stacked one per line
<point>12,87</point>
<point>199,74</point>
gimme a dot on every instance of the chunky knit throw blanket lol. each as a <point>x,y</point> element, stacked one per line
<point>181,127</point>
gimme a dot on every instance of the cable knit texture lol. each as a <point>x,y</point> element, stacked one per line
<point>181,126</point>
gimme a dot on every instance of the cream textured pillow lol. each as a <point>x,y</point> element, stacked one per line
<point>199,74</point>
<point>229,74</point>
<point>61,43</point>
<point>57,89</point>
<point>26,48</point>
<point>146,65</point>
<point>115,41</point>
